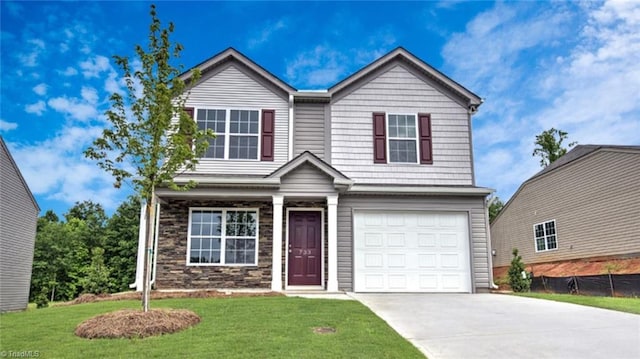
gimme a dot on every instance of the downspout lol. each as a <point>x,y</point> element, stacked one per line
<point>290,148</point>
<point>492,285</point>
<point>140,258</point>
<point>155,245</point>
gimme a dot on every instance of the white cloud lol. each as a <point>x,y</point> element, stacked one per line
<point>318,67</point>
<point>40,89</point>
<point>37,108</point>
<point>70,177</point>
<point>113,84</point>
<point>95,66</point>
<point>69,71</point>
<point>577,66</point>
<point>6,126</point>
<point>89,94</point>
<point>268,30</point>
<point>74,107</point>
<point>30,59</point>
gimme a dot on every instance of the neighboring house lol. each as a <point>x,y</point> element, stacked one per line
<point>18,219</point>
<point>584,205</point>
<point>367,186</point>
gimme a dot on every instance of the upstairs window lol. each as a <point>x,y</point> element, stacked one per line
<point>403,142</point>
<point>237,133</point>
<point>402,138</point>
<point>545,236</point>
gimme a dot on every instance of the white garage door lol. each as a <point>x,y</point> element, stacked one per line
<point>406,251</point>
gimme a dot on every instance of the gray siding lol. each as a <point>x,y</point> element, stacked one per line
<point>594,200</point>
<point>307,180</point>
<point>18,218</point>
<point>309,129</point>
<point>232,87</point>
<point>472,205</point>
<point>400,91</point>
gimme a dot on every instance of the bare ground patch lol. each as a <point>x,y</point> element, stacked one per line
<point>129,323</point>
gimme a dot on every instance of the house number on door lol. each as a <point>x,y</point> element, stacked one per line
<point>305,252</point>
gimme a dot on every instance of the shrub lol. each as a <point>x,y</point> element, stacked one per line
<point>41,300</point>
<point>518,281</point>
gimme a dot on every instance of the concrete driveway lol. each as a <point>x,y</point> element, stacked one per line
<point>452,326</point>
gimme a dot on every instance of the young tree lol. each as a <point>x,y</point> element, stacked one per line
<point>549,146</point>
<point>495,206</point>
<point>519,279</point>
<point>152,136</point>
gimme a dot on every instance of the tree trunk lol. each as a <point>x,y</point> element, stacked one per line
<point>147,267</point>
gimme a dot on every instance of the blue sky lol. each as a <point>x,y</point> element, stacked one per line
<point>569,65</point>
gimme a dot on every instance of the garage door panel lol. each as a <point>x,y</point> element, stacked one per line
<point>429,254</point>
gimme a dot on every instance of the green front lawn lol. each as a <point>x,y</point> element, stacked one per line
<point>629,305</point>
<point>257,327</point>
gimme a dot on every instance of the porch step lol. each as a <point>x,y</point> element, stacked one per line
<point>317,294</point>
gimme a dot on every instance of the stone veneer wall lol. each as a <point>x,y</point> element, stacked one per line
<point>172,270</point>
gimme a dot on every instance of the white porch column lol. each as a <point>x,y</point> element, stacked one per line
<point>332,213</point>
<point>276,271</point>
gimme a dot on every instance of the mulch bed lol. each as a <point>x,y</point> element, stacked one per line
<point>91,298</point>
<point>129,323</point>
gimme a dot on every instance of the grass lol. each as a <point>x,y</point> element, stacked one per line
<point>628,305</point>
<point>260,327</point>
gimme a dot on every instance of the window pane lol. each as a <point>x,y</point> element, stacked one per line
<point>196,229</point>
<point>402,151</point>
<point>243,147</point>
<point>211,119</point>
<point>195,244</point>
<point>206,244</point>
<point>539,230</point>
<point>215,257</point>
<point>194,257</point>
<point>253,121</point>
<point>216,147</point>
<point>551,242</point>
<point>393,126</point>
<point>205,257</point>
<point>540,244</point>
<point>196,216</point>
<point>551,228</point>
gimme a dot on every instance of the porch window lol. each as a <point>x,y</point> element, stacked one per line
<point>222,237</point>
<point>545,236</point>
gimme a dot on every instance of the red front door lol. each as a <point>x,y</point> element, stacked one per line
<point>305,248</point>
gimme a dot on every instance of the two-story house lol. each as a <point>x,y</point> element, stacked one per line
<point>367,186</point>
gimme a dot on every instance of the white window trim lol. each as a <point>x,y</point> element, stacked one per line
<point>416,138</point>
<point>227,134</point>
<point>223,237</point>
<point>535,242</point>
<point>286,261</point>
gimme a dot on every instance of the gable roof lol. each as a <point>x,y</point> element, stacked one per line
<point>308,157</point>
<point>576,153</point>
<point>231,54</point>
<point>401,54</point>
<point>405,56</point>
<point>5,149</point>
